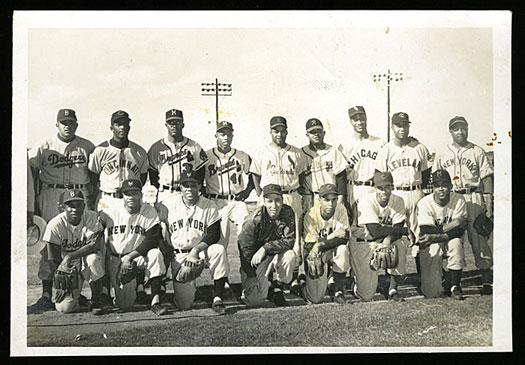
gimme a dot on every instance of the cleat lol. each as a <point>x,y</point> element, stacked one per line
<point>142,298</point>
<point>218,306</point>
<point>158,309</point>
<point>95,308</point>
<point>395,296</point>
<point>278,299</point>
<point>42,305</point>
<point>455,293</point>
<point>105,300</point>
<point>331,290</point>
<point>82,301</point>
<point>295,288</point>
<point>339,298</point>
<point>269,296</point>
<point>486,289</point>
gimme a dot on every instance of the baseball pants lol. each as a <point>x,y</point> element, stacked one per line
<point>411,198</point>
<point>92,269</point>
<point>125,295</point>
<point>366,279</point>
<point>431,259</point>
<point>481,247</point>
<point>215,258</point>
<point>256,291</point>
<point>315,289</point>
<point>232,212</point>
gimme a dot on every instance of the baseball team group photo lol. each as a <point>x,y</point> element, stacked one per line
<point>202,217</point>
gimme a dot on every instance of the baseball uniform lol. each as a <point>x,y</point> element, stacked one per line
<point>429,213</point>
<point>468,166</point>
<point>186,226</point>
<point>70,238</point>
<point>171,160</point>
<point>322,166</point>
<point>362,242</point>
<point>226,175</point>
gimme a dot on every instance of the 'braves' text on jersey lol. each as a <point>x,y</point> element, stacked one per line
<point>361,155</point>
<point>322,166</point>
<point>432,214</point>
<point>226,173</point>
<point>315,226</point>
<point>370,211</point>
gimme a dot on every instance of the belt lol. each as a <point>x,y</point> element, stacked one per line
<point>363,240</point>
<point>117,195</point>
<point>181,250</point>
<point>171,188</point>
<point>365,183</point>
<point>465,190</point>
<point>220,196</point>
<point>119,255</point>
<point>65,186</point>
<point>408,188</point>
<point>289,191</point>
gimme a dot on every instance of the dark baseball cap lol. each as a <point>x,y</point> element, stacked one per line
<point>174,114</point>
<point>66,114</point>
<point>278,121</point>
<point>383,179</point>
<point>272,189</point>
<point>120,114</point>
<point>356,110</point>
<point>224,125</point>
<point>441,176</point>
<point>400,117</point>
<point>457,120</point>
<point>130,185</point>
<point>71,195</point>
<point>187,177</point>
<point>327,189</point>
<point>313,123</point>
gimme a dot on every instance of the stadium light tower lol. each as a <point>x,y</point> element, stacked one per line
<point>389,77</point>
<point>216,89</point>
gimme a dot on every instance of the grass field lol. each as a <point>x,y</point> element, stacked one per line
<point>416,322</point>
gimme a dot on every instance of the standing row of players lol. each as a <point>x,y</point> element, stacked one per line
<point>223,177</point>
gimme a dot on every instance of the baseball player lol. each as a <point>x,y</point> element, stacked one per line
<point>193,231</point>
<point>265,245</point>
<point>72,238</point>
<point>381,219</point>
<point>326,231</point>
<point>174,155</point>
<point>473,178</point>
<point>59,163</point>
<point>127,226</point>
<point>442,219</point>
<point>361,152</point>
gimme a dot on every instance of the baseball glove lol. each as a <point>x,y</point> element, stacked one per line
<point>483,225</point>
<point>314,265</point>
<point>384,256</point>
<point>64,281</point>
<point>189,270</point>
<point>127,272</point>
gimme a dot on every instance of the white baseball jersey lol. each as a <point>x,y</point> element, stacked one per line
<point>62,162</point>
<point>316,227</point>
<point>226,173</point>
<point>187,225</point>
<point>370,211</point>
<point>114,165</point>
<point>361,155</point>
<point>125,231</point>
<point>467,166</point>
<point>431,213</point>
<point>69,237</point>
<point>281,166</point>
<point>405,163</point>
<point>322,166</point>
<point>172,159</point>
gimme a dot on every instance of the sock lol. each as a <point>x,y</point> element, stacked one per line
<point>47,287</point>
<point>295,274</point>
<point>156,284</point>
<point>485,277</point>
<point>105,284</point>
<point>455,277</point>
<point>277,285</point>
<point>218,287</point>
<point>418,266</point>
<point>339,280</point>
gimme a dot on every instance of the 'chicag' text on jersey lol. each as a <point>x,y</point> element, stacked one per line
<point>361,156</point>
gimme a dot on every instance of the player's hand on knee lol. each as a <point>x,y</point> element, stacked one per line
<point>258,257</point>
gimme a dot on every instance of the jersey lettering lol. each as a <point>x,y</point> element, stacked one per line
<point>190,223</point>
<point>58,161</point>
<point>113,166</point>
<point>70,246</point>
<point>404,162</point>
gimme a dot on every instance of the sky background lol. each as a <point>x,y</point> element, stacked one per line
<point>298,73</point>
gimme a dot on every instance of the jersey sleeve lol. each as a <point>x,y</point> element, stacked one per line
<point>213,213</point>
<point>341,219</point>
<point>485,167</point>
<point>255,166</point>
<point>153,157</point>
<point>424,157</point>
<point>201,157</point>
<point>399,212</point>
<point>95,163</point>
<point>339,162</point>
<point>310,229</point>
<point>368,212</point>
<point>436,164</point>
<point>247,161</point>
<point>143,155</point>
<point>460,210</point>
<point>381,160</point>
<point>424,213</point>
<point>301,162</point>
<point>35,157</point>
<point>52,233</point>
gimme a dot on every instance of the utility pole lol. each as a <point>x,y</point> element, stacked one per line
<point>390,77</point>
<point>216,89</point>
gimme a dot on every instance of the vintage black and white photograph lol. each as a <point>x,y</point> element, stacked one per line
<point>261,182</point>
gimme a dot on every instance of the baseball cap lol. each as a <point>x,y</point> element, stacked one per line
<point>174,114</point>
<point>187,177</point>
<point>120,114</point>
<point>272,189</point>
<point>278,121</point>
<point>400,118</point>
<point>383,179</point>
<point>356,110</point>
<point>71,195</point>
<point>457,120</point>
<point>441,176</point>
<point>327,189</point>
<point>224,125</point>
<point>313,123</point>
<point>130,185</point>
<point>66,114</point>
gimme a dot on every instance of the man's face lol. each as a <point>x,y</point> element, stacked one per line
<point>328,204</point>
<point>459,133</point>
<point>190,189</point>
<point>74,210</point>
<point>358,122</point>
<point>132,199</point>
<point>67,129</point>
<point>120,128</point>
<point>224,138</point>
<point>383,193</point>
<point>401,130</point>
<point>273,204</point>
<point>279,134</point>
<point>442,190</point>
<point>175,127</point>
<point>316,136</point>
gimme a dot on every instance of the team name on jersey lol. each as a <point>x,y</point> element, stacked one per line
<point>319,166</point>
<point>190,223</point>
<point>228,166</point>
<point>176,157</point>
<point>324,232</point>
<point>133,229</point>
<point>471,165</point>
<point>387,221</point>
<point>68,246</point>
<point>57,161</point>
<point>405,162</point>
<point>274,170</point>
<point>354,159</point>
<point>439,222</point>
<point>113,166</point>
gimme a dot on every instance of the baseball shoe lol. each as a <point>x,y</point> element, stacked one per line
<point>95,308</point>
<point>42,305</point>
<point>331,290</point>
<point>106,300</point>
<point>218,306</point>
<point>158,309</point>
<point>339,298</point>
<point>142,298</point>
<point>269,296</point>
<point>394,295</point>
<point>82,301</point>
<point>486,289</point>
<point>297,286</point>
<point>455,293</point>
<point>278,298</point>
